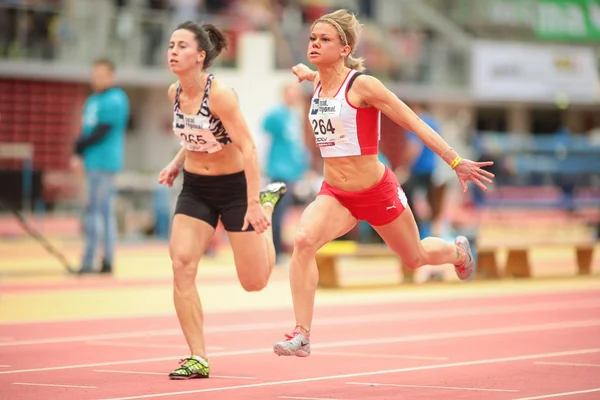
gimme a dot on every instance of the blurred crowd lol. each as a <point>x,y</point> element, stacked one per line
<point>39,28</point>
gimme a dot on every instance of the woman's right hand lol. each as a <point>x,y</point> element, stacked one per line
<point>303,73</point>
<point>168,175</point>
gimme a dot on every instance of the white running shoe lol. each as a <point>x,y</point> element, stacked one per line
<point>466,271</point>
<point>295,344</point>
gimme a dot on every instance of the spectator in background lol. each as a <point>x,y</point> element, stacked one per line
<point>287,158</point>
<point>98,157</point>
<point>421,174</point>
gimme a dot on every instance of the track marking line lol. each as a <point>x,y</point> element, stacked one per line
<point>367,318</point>
<point>431,387</point>
<point>162,373</point>
<point>130,372</point>
<point>151,345</point>
<point>563,394</point>
<point>4,366</point>
<point>371,373</point>
<point>375,355</point>
<point>419,299</point>
<point>462,334</point>
<point>232,377</point>
<point>54,385</point>
<point>567,364</point>
<point>307,398</point>
<point>349,343</point>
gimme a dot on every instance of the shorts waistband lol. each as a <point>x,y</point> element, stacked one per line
<point>372,194</point>
<point>384,178</point>
<point>199,179</point>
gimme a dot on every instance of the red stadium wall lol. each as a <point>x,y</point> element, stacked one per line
<point>46,114</point>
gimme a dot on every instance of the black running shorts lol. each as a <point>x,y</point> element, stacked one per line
<point>209,198</point>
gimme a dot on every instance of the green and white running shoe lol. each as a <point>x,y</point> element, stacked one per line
<point>272,193</point>
<point>191,368</point>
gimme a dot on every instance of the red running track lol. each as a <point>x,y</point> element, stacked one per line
<point>534,346</point>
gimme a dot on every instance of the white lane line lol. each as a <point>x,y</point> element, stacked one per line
<point>563,394</point>
<point>162,373</point>
<point>150,345</point>
<point>335,321</point>
<point>350,343</point>
<point>418,299</point>
<point>129,372</point>
<point>375,355</point>
<point>53,385</point>
<point>432,387</point>
<point>566,364</point>
<point>307,398</point>
<point>389,371</point>
<point>232,377</point>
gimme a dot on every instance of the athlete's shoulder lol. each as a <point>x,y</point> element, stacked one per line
<point>363,79</point>
<point>172,90</point>
<point>366,84</point>
<point>221,93</point>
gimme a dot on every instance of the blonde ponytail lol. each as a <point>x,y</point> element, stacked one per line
<point>355,63</point>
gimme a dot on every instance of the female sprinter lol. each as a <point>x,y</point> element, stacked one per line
<point>345,113</point>
<point>221,179</point>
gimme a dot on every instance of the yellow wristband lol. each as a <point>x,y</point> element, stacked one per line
<point>456,161</point>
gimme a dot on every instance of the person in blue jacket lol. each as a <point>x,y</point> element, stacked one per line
<point>98,155</point>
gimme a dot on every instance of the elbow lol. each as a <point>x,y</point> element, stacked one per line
<point>248,151</point>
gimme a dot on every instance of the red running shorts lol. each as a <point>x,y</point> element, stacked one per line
<point>378,205</point>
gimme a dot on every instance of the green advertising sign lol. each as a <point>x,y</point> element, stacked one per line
<point>566,20</point>
<point>559,20</point>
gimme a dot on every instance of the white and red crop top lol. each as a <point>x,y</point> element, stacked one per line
<point>202,132</point>
<point>340,128</point>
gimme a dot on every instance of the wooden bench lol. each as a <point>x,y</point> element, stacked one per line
<point>519,238</point>
<point>518,260</point>
<point>518,263</point>
<point>329,255</point>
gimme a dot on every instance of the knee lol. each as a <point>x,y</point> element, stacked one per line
<point>184,270</point>
<point>420,258</point>
<point>305,242</point>
<point>254,284</point>
<point>414,263</point>
<point>428,250</point>
<point>254,277</point>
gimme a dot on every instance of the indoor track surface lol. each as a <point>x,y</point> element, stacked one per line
<point>117,337</point>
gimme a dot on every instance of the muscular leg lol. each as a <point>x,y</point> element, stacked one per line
<point>254,256</point>
<point>402,236</point>
<point>322,221</point>
<point>189,240</point>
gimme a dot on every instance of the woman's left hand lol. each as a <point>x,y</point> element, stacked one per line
<point>255,216</point>
<point>468,170</point>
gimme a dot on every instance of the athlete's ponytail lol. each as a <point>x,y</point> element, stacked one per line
<point>218,41</point>
<point>210,39</point>
<point>355,63</point>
